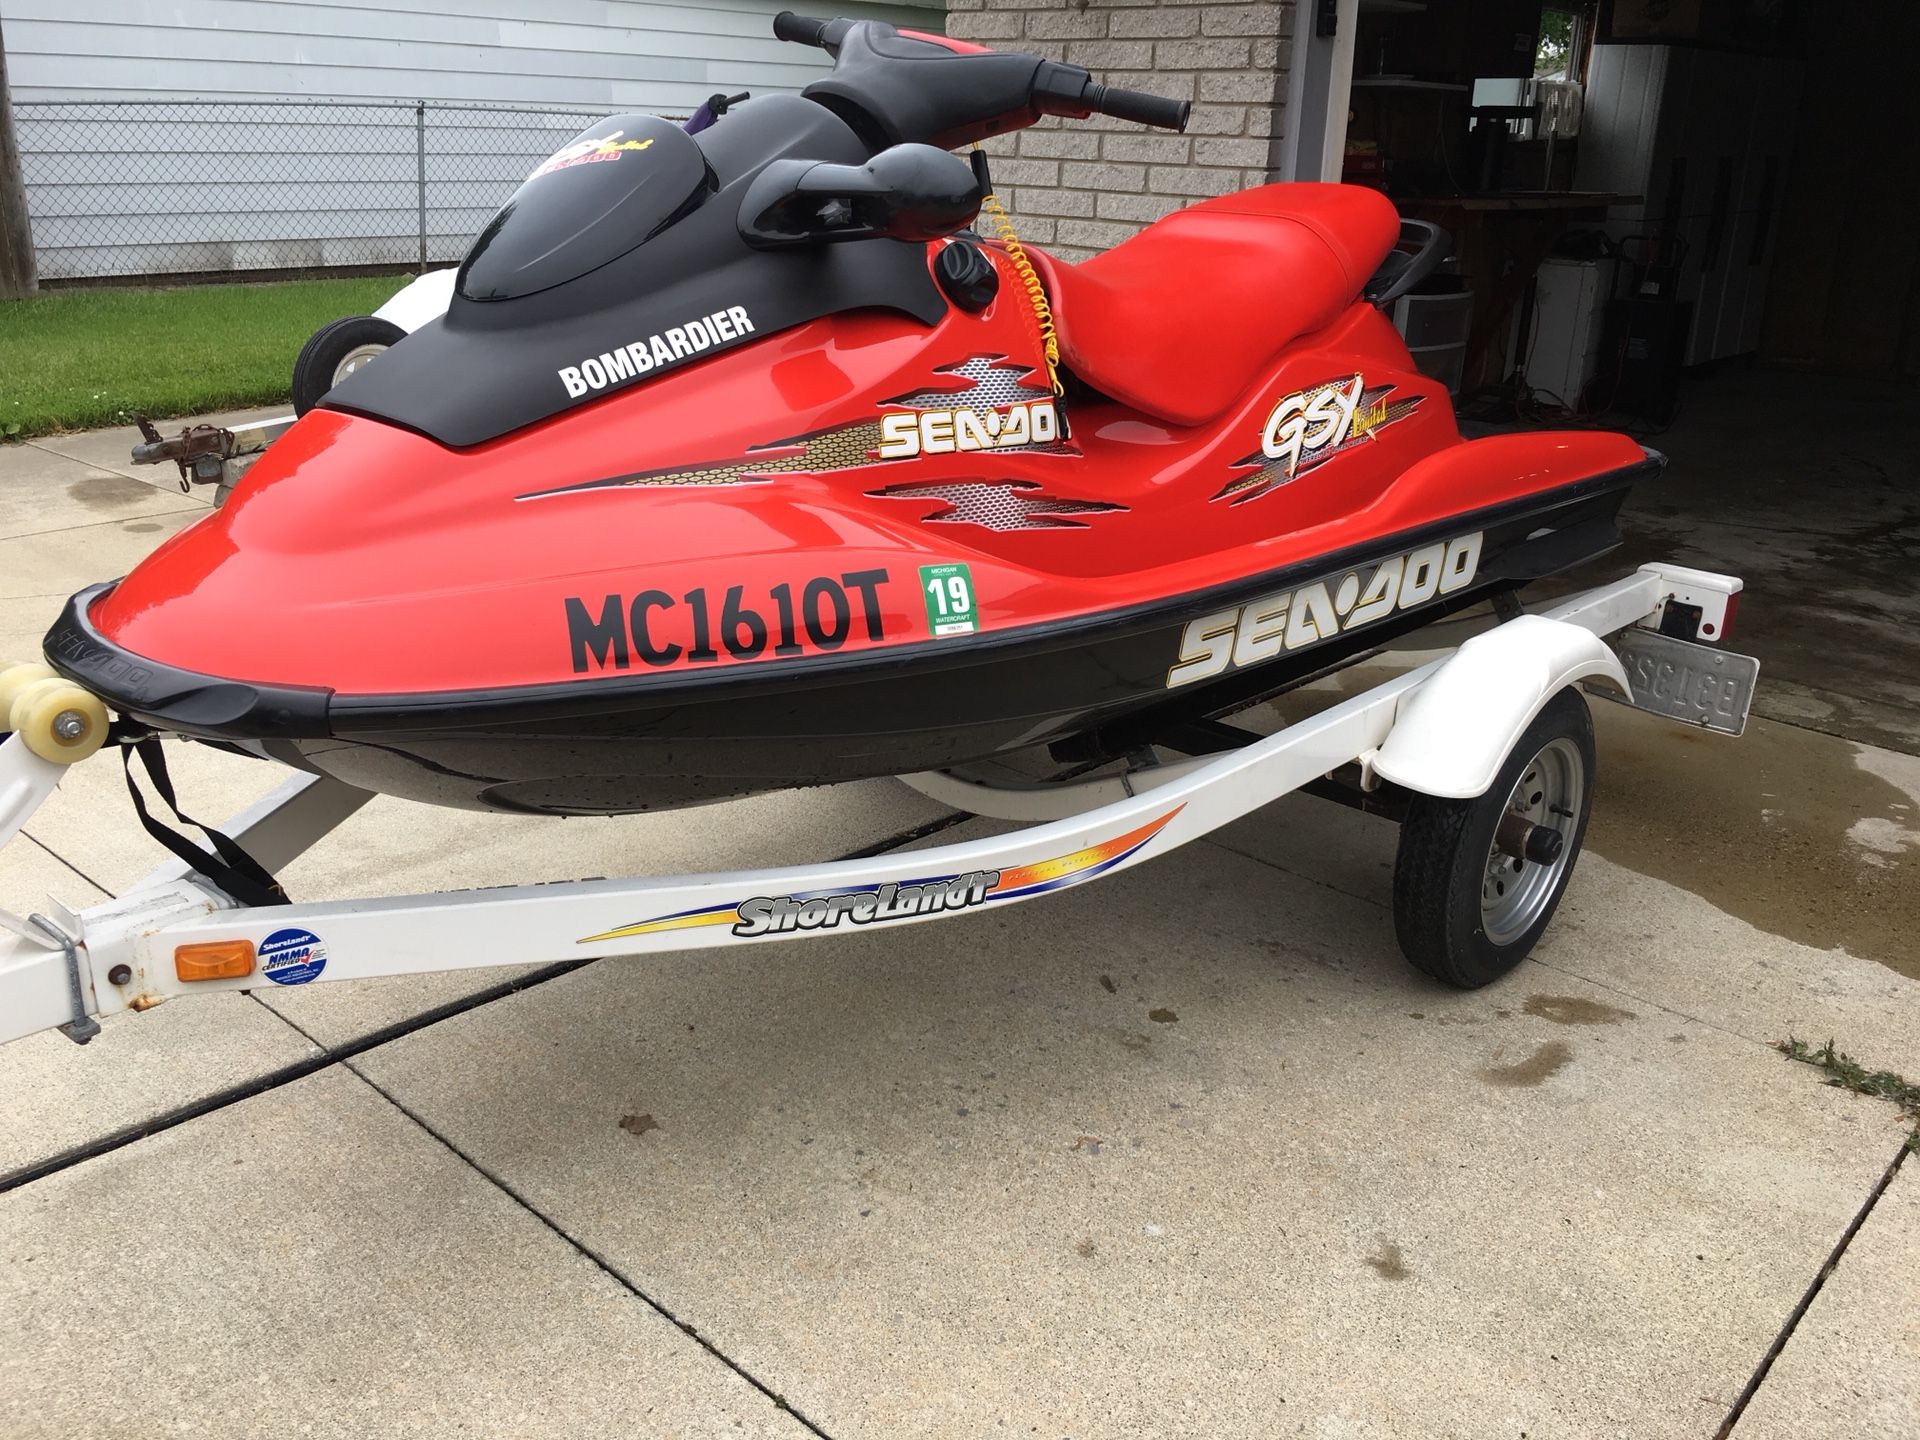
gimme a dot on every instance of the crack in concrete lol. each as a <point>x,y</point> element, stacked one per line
<point>339,1054</point>
<point>63,862</point>
<point>1271,864</point>
<point>344,1055</point>
<point>1799,1311</point>
<point>326,1056</point>
<point>187,505</point>
<point>586,1251</point>
<point>1651,1003</point>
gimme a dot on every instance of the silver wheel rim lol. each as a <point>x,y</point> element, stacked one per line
<point>1514,894</point>
<point>355,358</point>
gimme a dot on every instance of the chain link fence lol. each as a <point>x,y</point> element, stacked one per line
<point>174,187</point>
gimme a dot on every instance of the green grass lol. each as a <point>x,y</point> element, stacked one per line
<point>74,359</point>
<point>1843,1071</point>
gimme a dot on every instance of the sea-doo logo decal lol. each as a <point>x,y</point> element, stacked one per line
<point>656,352</point>
<point>1310,427</point>
<point>588,152</point>
<point>1003,408</point>
<point>995,383</point>
<point>664,631</point>
<point>949,432</point>
<point>764,915</point>
<point>998,504</point>
<point>1294,619</point>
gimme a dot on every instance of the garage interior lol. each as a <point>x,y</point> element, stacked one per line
<point>1692,220</point>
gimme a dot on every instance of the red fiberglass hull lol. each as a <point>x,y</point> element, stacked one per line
<point>858,546</point>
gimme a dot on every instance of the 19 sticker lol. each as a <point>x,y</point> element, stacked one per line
<point>948,591</point>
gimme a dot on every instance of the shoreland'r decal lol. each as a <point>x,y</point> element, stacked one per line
<point>1310,427</point>
<point>764,915</point>
<point>661,630</point>
<point>1294,619</point>
<point>656,352</point>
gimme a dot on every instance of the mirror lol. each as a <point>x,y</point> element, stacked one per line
<point>908,192</point>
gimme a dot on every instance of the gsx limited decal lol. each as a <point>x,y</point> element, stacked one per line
<point>1310,427</point>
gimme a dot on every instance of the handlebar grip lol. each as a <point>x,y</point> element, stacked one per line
<point>800,29</point>
<point>1138,106</point>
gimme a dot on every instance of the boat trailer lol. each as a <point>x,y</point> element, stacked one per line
<point>1444,729</point>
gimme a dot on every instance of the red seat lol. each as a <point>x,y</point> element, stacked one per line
<point>1178,320</point>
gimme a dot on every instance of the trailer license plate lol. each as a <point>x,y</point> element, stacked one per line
<point>1699,684</point>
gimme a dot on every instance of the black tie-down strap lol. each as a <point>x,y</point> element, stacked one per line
<point>227,865</point>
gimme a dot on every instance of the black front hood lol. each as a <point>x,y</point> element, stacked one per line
<point>490,367</point>
<point>609,191</point>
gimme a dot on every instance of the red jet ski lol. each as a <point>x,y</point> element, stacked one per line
<point>738,462</point>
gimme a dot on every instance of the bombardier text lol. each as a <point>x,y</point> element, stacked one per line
<point>656,352</point>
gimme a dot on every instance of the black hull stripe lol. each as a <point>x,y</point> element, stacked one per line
<point>197,703</point>
<point>388,712</point>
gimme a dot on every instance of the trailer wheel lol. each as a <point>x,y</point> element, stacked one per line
<point>1476,881</point>
<point>335,351</point>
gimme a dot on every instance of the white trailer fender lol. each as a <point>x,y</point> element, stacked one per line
<point>424,299</point>
<point>1451,735</point>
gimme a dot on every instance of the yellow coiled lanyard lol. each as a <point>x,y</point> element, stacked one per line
<point>1002,226</point>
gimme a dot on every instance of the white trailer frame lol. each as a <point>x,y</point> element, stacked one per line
<point>1441,728</point>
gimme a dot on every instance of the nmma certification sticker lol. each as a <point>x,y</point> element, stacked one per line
<point>292,957</point>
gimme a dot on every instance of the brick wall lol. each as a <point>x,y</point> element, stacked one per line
<point>1079,186</point>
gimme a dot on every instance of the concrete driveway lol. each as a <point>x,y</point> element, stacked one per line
<point>1188,1152</point>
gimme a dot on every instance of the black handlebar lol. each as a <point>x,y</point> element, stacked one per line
<point>1138,106</point>
<point>804,29</point>
<point>1054,89</point>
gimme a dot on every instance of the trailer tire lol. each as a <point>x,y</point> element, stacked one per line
<point>335,351</point>
<point>1464,911</point>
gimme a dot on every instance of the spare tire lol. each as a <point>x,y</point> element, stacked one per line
<point>335,351</point>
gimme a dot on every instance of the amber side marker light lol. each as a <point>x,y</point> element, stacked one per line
<point>214,960</point>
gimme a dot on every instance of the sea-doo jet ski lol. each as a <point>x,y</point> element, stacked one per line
<point>738,461</point>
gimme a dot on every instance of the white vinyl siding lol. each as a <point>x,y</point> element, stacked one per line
<point>613,54</point>
<point>309,151</point>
